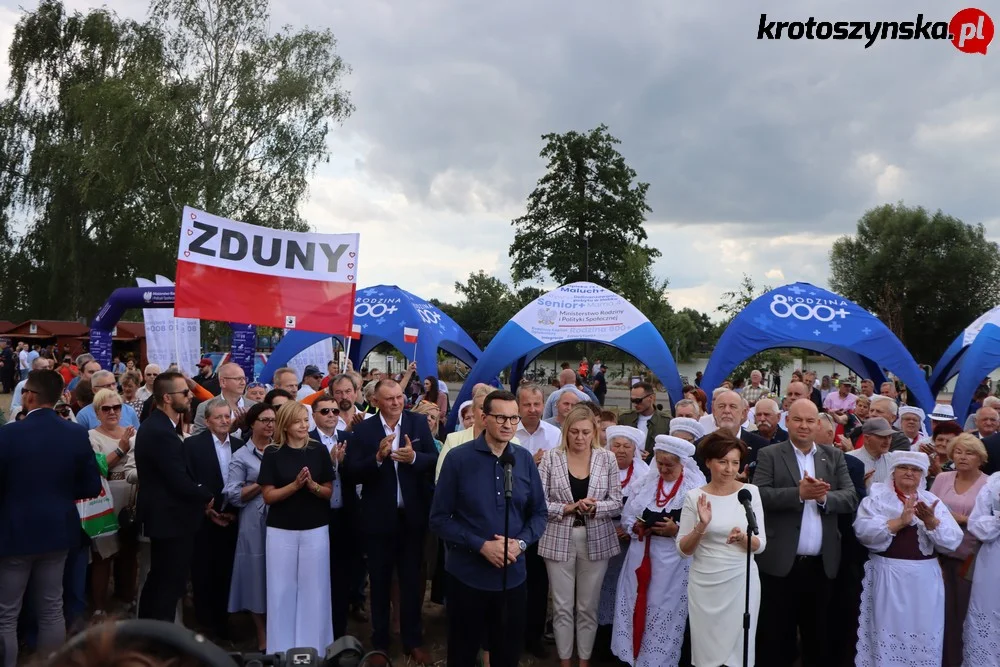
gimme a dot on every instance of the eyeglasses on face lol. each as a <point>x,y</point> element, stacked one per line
<point>502,419</point>
<point>108,409</point>
<point>240,380</point>
<point>25,390</point>
<point>63,412</point>
<point>326,411</point>
<point>267,420</point>
<point>182,392</point>
<point>639,400</point>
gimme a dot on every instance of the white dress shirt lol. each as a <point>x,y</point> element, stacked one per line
<point>224,453</point>
<point>811,533</point>
<point>395,446</point>
<point>545,437</point>
<point>336,498</point>
<point>643,424</point>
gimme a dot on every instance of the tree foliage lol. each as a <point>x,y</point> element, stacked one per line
<point>732,304</point>
<point>584,213</point>
<point>486,305</point>
<point>925,275</point>
<point>111,126</point>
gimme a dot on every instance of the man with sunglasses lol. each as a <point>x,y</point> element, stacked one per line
<point>87,417</point>
<point>644,415</point>
<point>171,504</point>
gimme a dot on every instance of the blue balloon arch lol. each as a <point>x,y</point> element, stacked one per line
<point>576,312</point>
<point>383,312</point>
<point>804,316</point>
<point>974,354</point>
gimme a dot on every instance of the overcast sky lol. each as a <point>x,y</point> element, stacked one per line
<point>758,153</point>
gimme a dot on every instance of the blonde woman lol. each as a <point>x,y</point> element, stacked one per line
<point>296,481</point>
<point>115,441</point>
<point>583,494</point>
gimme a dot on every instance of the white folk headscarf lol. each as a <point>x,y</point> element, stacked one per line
<point>644,496</point>
<point>686,425</point>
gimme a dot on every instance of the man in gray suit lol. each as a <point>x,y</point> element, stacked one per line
<point>803,488</point>
<point>233,382</point>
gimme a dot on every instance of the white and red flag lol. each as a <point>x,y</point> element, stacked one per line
<point>356,331</point>
<point>235,272</point>
<point>410,335</point>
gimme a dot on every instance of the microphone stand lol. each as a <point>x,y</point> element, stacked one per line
<point>751,530</point>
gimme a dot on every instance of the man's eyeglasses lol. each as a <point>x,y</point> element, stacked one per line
<point>240,380</point>
<point>108,409</point>
<point>104,386</point>
<point>502,419</point>
<point>267,420</point>
<point>183,392</point>
<point>62,412</point>
<point>637,401</point>
<point>326,411</point>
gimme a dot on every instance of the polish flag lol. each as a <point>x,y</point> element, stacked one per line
<point>235,272</point>
<point>356,331</point>
<point>410,335</point>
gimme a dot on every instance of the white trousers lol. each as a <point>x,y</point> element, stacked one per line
<point>298,589</point>
<point>579,580</point>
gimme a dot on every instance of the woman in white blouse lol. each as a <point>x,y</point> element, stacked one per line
<point>982,623</point>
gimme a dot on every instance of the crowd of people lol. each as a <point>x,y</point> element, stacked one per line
<point>539,521</point>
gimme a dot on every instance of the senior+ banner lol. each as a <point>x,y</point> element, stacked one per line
<point>232,271</point>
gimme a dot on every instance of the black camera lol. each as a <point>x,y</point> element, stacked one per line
<point>345,652</point>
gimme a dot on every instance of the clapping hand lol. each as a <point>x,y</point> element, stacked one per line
<point>737,536</point>
<point>925,513</point>
<point>384,448</point>
<point>338,452</point>
<point>811,488</point>
<point>404,454</point>
<point>704,510</point>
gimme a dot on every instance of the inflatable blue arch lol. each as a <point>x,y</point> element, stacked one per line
<point>804,316</point>
<point>576,312</point>
<point>973,355</point>
<point>383,313</point>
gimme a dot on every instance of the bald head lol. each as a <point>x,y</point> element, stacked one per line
<point>802,421</point>
<point>797,390</point>
<point>567,377</point>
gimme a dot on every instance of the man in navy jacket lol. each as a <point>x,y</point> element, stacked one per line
<point>46,465</point>
<point>393,457</point>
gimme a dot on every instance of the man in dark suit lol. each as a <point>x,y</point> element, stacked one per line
<point>46,465</point>
<point>848,584</point>
<point>804,487</point>
<point>171,505</point>
<point>730,411</point>
<point>992,444</point>
<point>208,455</point>
<point>644,415</point>
<point>393,457</point>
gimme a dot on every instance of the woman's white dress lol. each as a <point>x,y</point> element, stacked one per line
<point>666,601</point>
<point>609,587</point>
<point>902,602</point>
<point>717,580</point>
<point>981,635</point>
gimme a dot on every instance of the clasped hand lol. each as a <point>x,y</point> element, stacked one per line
<point>584,507</point>
<point>218,518</point>
<point>492,550</point>
<point>811,488</point>
<point>737,536</point>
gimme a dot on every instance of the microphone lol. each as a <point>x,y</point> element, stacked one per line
<point>746,499</point>
<point>507,460</point>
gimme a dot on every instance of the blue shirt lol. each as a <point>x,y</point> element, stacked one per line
<point>468,510</point>
<point>88,418</point>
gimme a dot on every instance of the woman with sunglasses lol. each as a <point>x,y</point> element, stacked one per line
<point>115,441</point>
<point>248,589</point>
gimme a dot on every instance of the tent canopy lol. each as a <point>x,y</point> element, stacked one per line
<point>383,313</point>
<point>576,312</point>
<point>808,317</point>
<point>952,361</point>
<point>979,359</point>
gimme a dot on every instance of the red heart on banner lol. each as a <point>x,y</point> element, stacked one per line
<point>190,232</point>
<point>187,253</point>
<point>350,277</point>
<point>350,266</point>
<point>351,254</point>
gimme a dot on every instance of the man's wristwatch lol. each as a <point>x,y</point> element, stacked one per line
<point>522,545</point>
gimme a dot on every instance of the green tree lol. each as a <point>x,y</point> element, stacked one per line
<point>112,126</point>
<point>926,275</point>
<point>486,305</point>
<point>731,304</point>
<point>587,203</point>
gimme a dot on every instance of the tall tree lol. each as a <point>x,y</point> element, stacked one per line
<point>731,304</point>
<point>112,126</point>
<point>926,275</point>
<point>584,213</point>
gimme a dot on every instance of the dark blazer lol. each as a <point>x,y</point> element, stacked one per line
<point>659,424</point>
<point>170,502</point>
<point>199,454</point>
<point>46,465</point>
<point>378,482</point>
<point>777,477</point>
<point>992,444</point>
<point>780,435</point>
